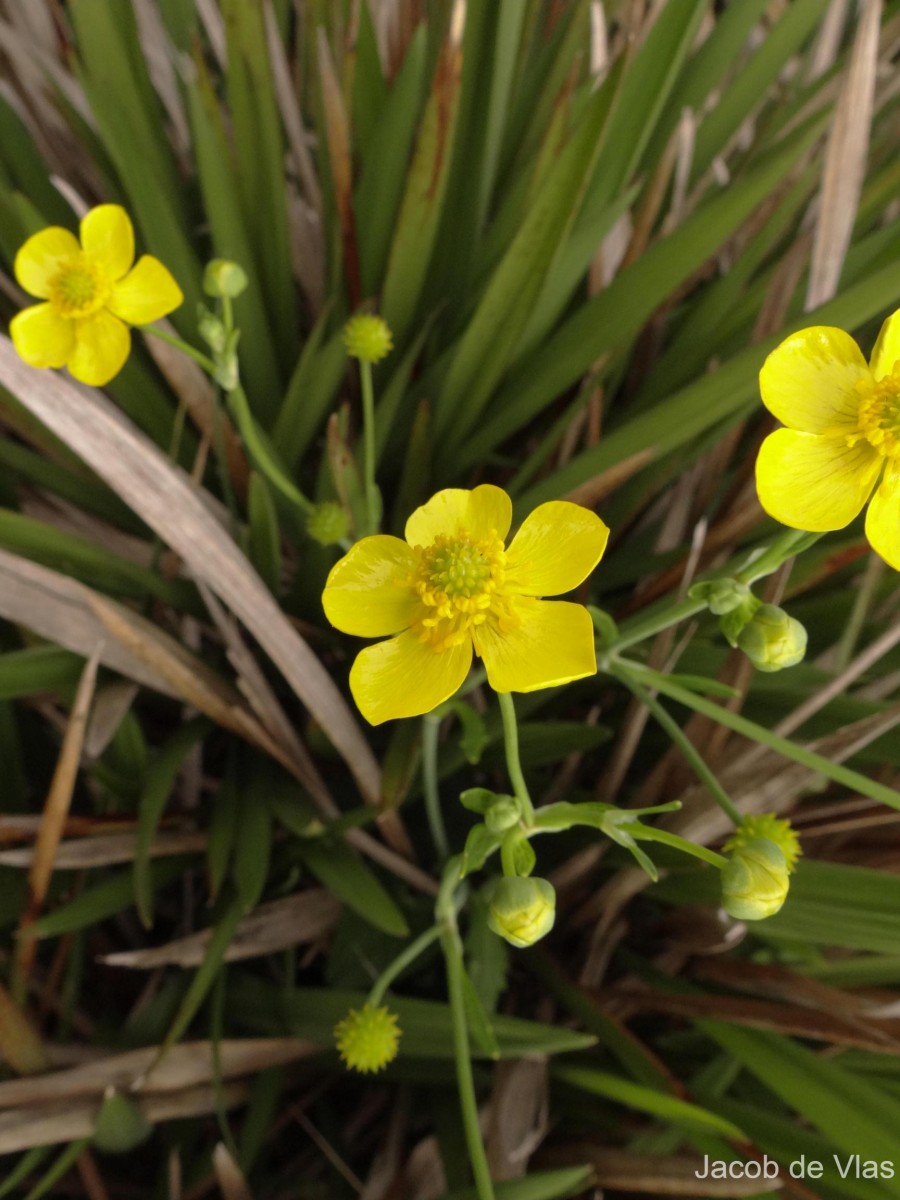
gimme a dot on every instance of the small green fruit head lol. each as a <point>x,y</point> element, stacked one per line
<point>522,910</point>
<point>328,523</point>
<point>367,338</point>
<point>755,880</point>
<point>224,278</point>
<point>772,640</point>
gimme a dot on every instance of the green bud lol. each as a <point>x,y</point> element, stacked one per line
<point>120,1124</point>
<point>721,595</point>
<point>502,814</point>
<point>772,640</point>
<point>328,523</point>
<point>212,329</point>
<point>755,880</point>
<point>224,278</point>
<point>367,338</point>
<point>522,910</point>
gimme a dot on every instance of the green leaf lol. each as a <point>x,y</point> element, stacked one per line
<point>341,870</point>
<point>538,1185</point>
<point>264,541</point>
<point>158,781</point>
<point>105,899</point>
<point>252,850</point>
<point>645,1099</point>
<point>474,731</point>
<point>207,973</point>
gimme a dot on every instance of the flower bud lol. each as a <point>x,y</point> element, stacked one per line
<point>721,595</point>
<point>755,880</point>
<point>522,910</point>
<point>328,523</point>
<point>120,1125</point>
<point>367,1040</point>
<point>502,814</point>
<point>772,640</point>
<point>367,338</point>
<point>224,278</point>
<point>212,329</point>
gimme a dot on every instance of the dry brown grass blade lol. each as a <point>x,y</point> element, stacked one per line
<point>792,1020</point>
<point>56,810</point>
<point>165,499</point>
<point>109,849</point>
<point>58,608</point>
<point>142,1072</point>
<point>845,160</point>
<point>186,676</point>
<point>57,1122</point>
<point>20,1046</point>
<point>305,917</point>
<point>656,1175</point>
<point>229,1175</point>
<point>519,1114</point>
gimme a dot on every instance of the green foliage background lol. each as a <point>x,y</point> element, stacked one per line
<point>586,226</point>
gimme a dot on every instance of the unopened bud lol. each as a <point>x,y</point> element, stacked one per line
<point>755,880</point>
<point>224,278</point>
<point>522,911</point>
<point>721,595</point>
<point>328,523</point>
<point>367,338</point>
<point>772,640</point>
<point>502,814</point>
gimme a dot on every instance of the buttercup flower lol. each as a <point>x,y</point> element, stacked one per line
<point>367,1039</point>
<point>451,587</point>
<point>89,291</point>
<point>842,435</point>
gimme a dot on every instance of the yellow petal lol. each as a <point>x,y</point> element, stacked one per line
<point>887,348</point>
<point>365,595</point>
<point>814,483</point>
<point>883,519</point>
<point>146,293</point>
<point>809,381</point>
<point>404,678</point>
<point>40,258</point>
<point>102,343</point>
<point>553,644</point>
<point>557,547</point>
<point>107,238</point>
<point>42,338</point>
<point>479,511</point>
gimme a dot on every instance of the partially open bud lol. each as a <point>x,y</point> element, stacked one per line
<point>367,338</point>
<point>772,640</point>
<point>522,910</point>
<point>224,278</point>
<point>368,1039</point>
<point>755,880</point>
<point>328,523</point>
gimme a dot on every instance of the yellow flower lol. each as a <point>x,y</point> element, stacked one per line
<point>89,291</point>
<point>367,1040</point>
<point>451,587</point>
<point>842,435</point>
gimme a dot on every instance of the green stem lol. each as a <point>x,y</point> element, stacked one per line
<point>430,728</point>
<point>401,962</point>
<point>868,589</point>
<point>201,359</point>
<point>373,499</point>
<point>655,623</point>
<point>222,459</point>
<point>757,733</point>
<point>453,957</point>
<point>650,833</point>
<point>684,744</point>
<point>513,762</point>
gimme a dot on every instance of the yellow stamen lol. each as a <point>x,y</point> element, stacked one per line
<point>879,415</point>
<point>78,289</point>
<point>460,581</point>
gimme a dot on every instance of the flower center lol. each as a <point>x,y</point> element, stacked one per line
<point>459,580</point>
<point>77,289</point>
<point>879,416</point>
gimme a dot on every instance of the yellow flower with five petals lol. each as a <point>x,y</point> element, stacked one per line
<point>841,443</point>
<point>91,293</point>
<point>453,587</point>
